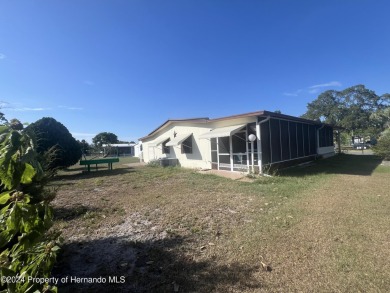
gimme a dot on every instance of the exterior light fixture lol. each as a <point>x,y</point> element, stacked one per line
<point>252,139</point>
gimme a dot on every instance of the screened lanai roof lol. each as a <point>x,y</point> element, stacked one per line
<point>222,131</point>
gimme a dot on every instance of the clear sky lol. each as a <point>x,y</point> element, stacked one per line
<point>126,66</point>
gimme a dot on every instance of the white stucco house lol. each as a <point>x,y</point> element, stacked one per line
<point>223,143</point>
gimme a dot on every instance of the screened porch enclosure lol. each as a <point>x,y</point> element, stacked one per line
<point>233,153</point>
<point>278,141</point>
<point>284,140</point>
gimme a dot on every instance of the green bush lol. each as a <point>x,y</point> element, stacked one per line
<point>382,148</point>
<point>57,147</point>
<point>26,249</point>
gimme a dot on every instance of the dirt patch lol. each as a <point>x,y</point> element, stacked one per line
<point>147,225</point>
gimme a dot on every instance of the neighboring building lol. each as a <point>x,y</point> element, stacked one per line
<point>223,144</point>
<point>120,149</point>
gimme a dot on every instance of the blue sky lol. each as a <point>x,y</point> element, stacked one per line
<point>126,66</point>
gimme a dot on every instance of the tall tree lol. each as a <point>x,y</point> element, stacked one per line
<point>352,108</point>
<point>2,119</point>
<point>84,145</point>
<point>104,138</point>
<point>54,138</point>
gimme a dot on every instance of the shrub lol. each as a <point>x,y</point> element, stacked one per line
<point>55,143</point>
<point>382,148</point>
<point>154,163</point>
<point>26,249</point>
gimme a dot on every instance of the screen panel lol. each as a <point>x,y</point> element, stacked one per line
<point>239,142</point>
<point>306,142</point>
<point>285,140</point>
<point>300,140</point>
<point>313,140</point>
<point>224,159</point>
<point>275,141</point>
<point>293,140</point>
<point>214,157</point>
<point>213,142</point>
<point>265,143</point>
<point>223,145</point>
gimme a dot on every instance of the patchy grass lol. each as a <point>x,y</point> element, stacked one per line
<point>318,228</point>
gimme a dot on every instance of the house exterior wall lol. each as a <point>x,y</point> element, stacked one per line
<point>200,156</point>
<point>201,149</point>
<point>137,150</point>
<point>280,140</point>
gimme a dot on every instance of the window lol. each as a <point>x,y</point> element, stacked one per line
<point>186,146</point>
<point>165,149</point>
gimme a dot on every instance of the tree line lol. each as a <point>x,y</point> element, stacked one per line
<point>358,111</point>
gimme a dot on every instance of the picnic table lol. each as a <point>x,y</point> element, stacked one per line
<point>96,162</point>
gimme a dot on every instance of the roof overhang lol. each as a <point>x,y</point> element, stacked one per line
<point>178,140</point>
<point>259,114</point>
<point>158,141</point>
<point>222,131</point>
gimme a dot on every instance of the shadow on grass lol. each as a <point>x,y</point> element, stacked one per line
<point>339,164</point>
<point>72,213</point>
<point>93,174</point>
<point>147,266</point>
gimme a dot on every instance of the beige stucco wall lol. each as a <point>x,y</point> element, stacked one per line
<point>200,157</point>
<point>201,154</point>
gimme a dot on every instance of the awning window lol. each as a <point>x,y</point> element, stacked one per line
<point>178,140</point>
<point>158,141</point>
<point>223,131</point>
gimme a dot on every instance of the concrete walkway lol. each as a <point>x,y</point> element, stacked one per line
<point>226,174</point>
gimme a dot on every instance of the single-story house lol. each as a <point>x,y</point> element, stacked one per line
<point>121,149</point>
<point>224,143</point>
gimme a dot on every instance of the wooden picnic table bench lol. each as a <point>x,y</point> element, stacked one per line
<point>96,162</point>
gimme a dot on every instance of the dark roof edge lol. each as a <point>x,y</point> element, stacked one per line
<point>249,114</point>
<point>201,120</point>
<point>288,117</point>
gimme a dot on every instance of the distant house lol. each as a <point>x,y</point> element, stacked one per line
<point>121,149</point>
<point>223,143</point>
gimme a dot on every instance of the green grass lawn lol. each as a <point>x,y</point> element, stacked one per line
<point>318,228</point>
